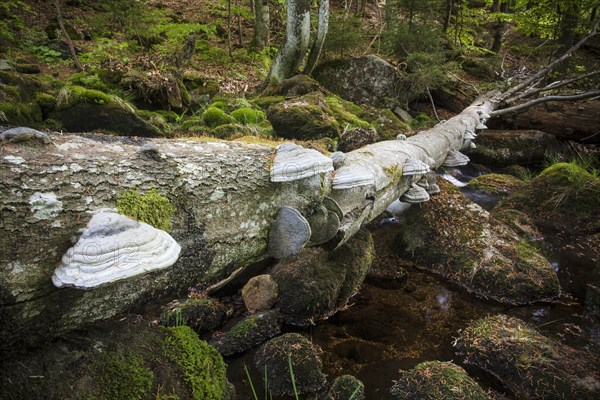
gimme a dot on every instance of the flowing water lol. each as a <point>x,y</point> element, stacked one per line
<point>383,330</point>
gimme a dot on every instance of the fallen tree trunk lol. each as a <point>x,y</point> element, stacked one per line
<point>226,199</point>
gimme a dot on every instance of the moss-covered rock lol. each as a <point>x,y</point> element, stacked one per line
<point>563,194</point>
<point>530,365</point>
<point>346,387</point>
<point>356,138</point>
<point>266,101</point>
<point>297,85</point>
<point>151,207</point>
<point>247,116</point>
<point>214,117</point>
<point>292,348</point>
<point>307,117</point>
<point>387,124</point>
<point>83,110</point>
<point>199,84</point>
<point>314,284</point>
<point>202,315</point>
<point>129,359</point>
<point>249,332</point>
<point>496,184</point>
<point>437,380</point>
<point>459,240</point>
<point>504,148</point>
<point>203,368</point>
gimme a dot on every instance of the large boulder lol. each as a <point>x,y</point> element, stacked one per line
<point>128,359</point>
<point>504,148</point>
<point>292,348</point>
<point>459,240</point>
<point>564,195</point>
<point>305,118</point>
<point>530,365</point>
<point>437,380</point>
<point>365,80</point>
<point>314,284</point>
<point>84,110</point>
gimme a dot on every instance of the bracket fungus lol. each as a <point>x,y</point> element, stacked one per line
<point>113,247</point>
<point>472,145</point>
<point>23,134</point>
<point>469,135</point>
<point>352,176</point>
<point>401,136</point>
<point>455,159</point>
<point>481,126</point>
<point>293,162</point>
<point>433,187</point>
<point>412,166</point>
<point>289,233</point>
<point>423,182</point>
<point>332,205</point>
<point>324,224</point>
<point>415,194</point>
<point>338,158</point>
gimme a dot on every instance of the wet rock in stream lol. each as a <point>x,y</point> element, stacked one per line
<point>437,380</point>
<point>530,365</point>
<point>346,387</point>
<point>314,284</point>
<point>247,333</point>
<point>459,240</point>
<point>277,353</point>
<point>202,315</point>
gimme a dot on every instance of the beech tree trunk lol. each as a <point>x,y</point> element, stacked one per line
<point>322,28</point>
<point>261,25</point>
<point>297,38</point>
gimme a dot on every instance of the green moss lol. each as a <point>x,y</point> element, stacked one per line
<point>420,121</point>
<point>21,113</point>
<point>268,100</point>
<point>152,207</point>
<point>203,367</point>
<point>220,104</point>
<point>124,377</point>
<point>243,327</point>
<point>45,100</point>
<point>214,117</point>
<point>11,90</point>
<point>387,124</point>
<point>341,113</point>
<point>185,95</point>
<point>247,115</point>
<point>89,81</point>
<point>496,183</point>
<point>71,95</point>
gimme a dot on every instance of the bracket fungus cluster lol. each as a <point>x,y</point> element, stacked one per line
<point>293,162</point>
<point>416,194</point>
<point>113,247</point>
<point>455,159</point>
<point>412,166</point>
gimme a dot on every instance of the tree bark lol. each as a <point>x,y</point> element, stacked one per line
<point>297,37</point>
<point>502,7</point>
<point>261,25</point>
<point>322,29</point>
<point>66,35</point>
<point>225,202</point>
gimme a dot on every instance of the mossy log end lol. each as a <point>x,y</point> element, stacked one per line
<point>224,206</point>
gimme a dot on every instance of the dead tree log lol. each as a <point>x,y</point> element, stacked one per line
<point>227,196</point>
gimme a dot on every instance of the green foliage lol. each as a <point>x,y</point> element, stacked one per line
<point>124,377</point>
<point>10,21</point>
<point>214,117</point>
<point>344,34</point>
<point>151,207</point>
<point>89,81</point>
<point>45,53</point>
<point>203,367</point>
<point>247,115</point>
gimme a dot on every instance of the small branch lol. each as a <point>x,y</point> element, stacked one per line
<point>553,85</point>
<point>542,72</point>
<point>432,104</point>
<point>525,106</point>
<point>67,37</point>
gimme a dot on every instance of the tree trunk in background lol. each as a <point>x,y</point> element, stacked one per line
<point>297,38</point>
<point>568,26</point>
<point>315,52</point>
<point>447,14</point>
<point>225,206</point>
<point>261,25</point>
<point>500,6</point>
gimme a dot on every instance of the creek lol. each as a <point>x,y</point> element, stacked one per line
<point>385,329</point>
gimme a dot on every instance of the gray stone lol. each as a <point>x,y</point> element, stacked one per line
<point>5,65</point>
<point>249,332</point>
<point>23,135</point>
<point>402,114</point>
<point>289,233</point>
<point>260,293</point>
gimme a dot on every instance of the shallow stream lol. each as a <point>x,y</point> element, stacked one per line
<point>384,329</point>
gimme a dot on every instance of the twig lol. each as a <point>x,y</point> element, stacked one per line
<point>67,37</point>
<point>432,104</point>
<point>553,85</point>
<point>525,106</point>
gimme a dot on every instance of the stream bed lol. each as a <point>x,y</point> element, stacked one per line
<point>384,329</point>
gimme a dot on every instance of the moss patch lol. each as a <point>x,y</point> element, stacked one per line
<point>214,117</point>
<point>203,367</point>
<point>125,377</point>
<point>151,207</point>
<point>496,183</point>
<point>247,115</point>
